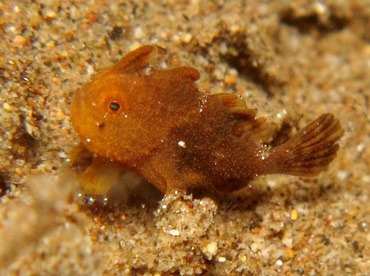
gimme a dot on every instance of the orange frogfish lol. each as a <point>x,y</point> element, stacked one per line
<point>158,123</point>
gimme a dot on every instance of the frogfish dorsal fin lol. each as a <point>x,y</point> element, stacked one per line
<point>136,60</point>
<point>243,119</point>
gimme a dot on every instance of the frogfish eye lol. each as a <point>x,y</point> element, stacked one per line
<point>114,106</point>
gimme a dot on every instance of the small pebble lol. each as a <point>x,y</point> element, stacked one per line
<point>50,14</point>
<point>174,232</point>
<point>19,41</point>
<point>279,263</point>
<point>294,214</point>
<point>289,253</point>
<point>186,38</point>
<point>221,259</point>
<point>230,79</point>
<point>138,32</point>
<point>212,248</point>
<point>342,175</point>
<point>7,107</point>
<point>254,247</point>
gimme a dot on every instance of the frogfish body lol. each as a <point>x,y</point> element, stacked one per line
<point>159,124</point>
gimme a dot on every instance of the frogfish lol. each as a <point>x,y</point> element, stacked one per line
<point>160,124</point>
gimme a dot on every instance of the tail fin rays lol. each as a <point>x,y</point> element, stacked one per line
<point>312,149</point>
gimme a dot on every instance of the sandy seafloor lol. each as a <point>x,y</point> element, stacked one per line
<point>293,60</point>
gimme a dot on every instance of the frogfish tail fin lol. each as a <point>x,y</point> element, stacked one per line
<point>311,150</point>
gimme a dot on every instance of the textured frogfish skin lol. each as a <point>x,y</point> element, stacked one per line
<point>159,124</point>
